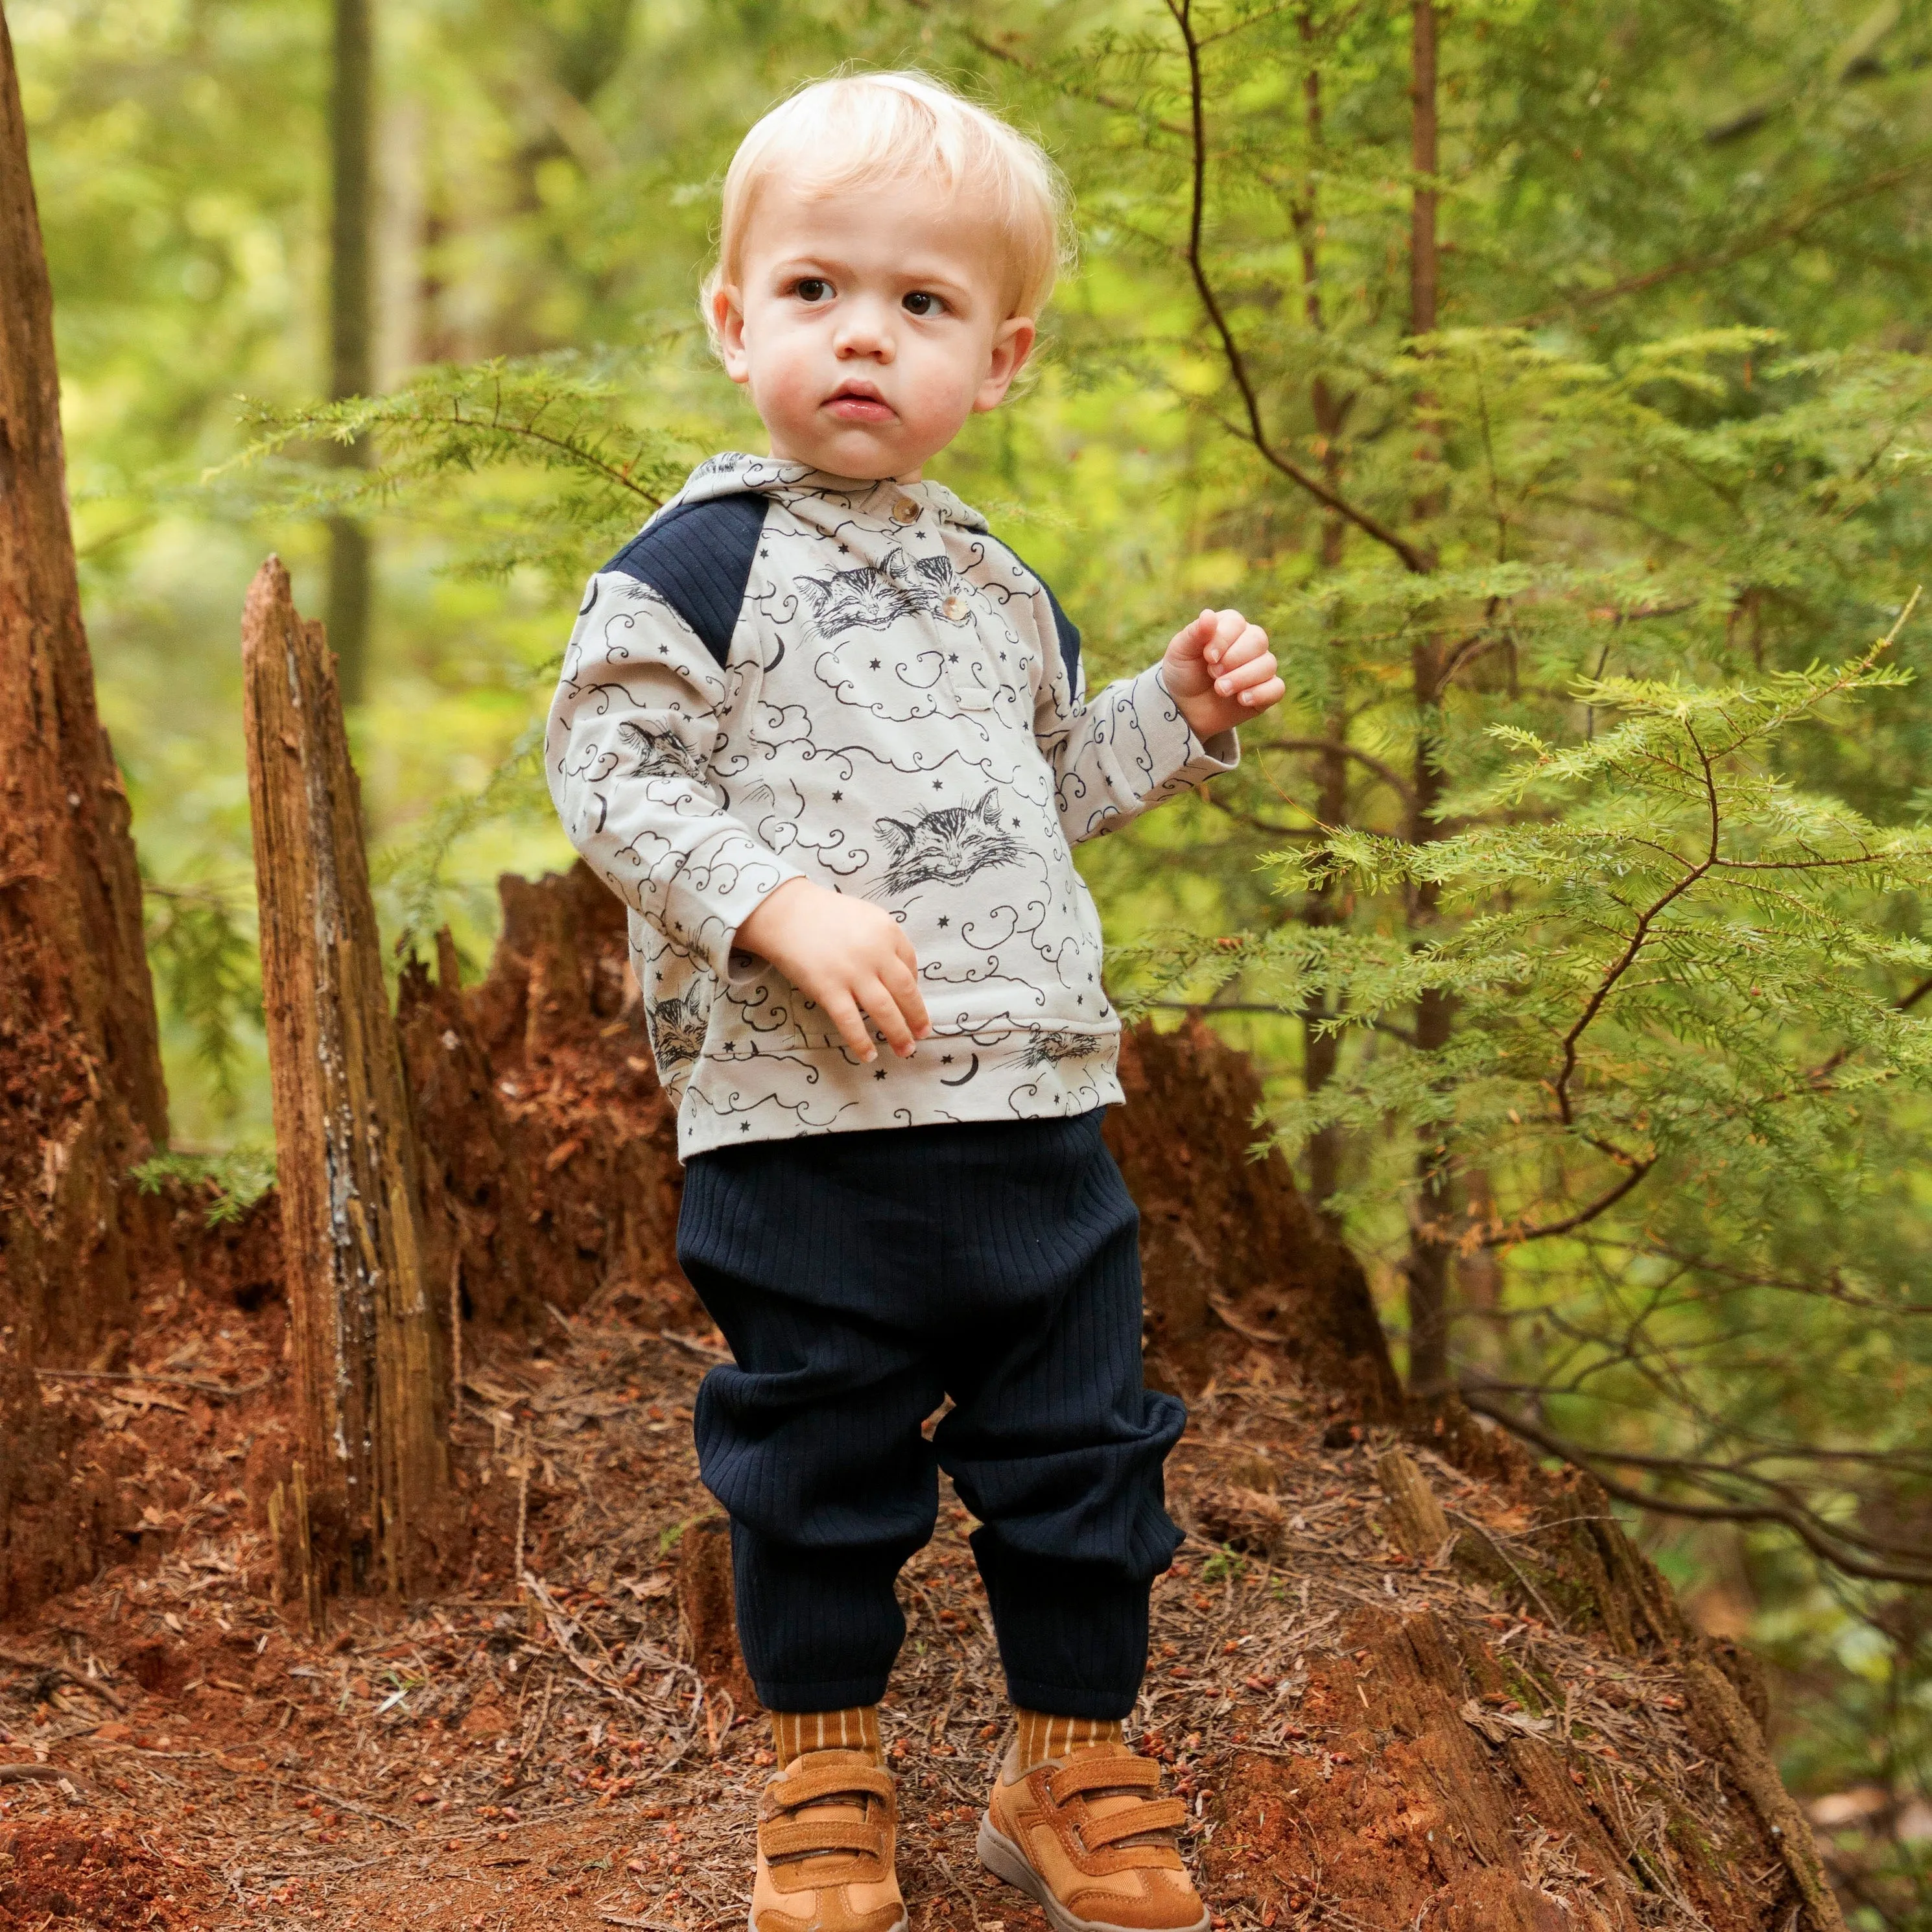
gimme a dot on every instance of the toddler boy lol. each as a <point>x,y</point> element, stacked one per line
<point>827,738</point>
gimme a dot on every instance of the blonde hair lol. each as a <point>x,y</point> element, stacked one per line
<point>855,129</point>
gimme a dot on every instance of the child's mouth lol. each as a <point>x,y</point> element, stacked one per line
<point>860,406</point>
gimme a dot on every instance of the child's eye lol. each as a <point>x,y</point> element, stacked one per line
<point>812,289</point>
<point>920,303</point>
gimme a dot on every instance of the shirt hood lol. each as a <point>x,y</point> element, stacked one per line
<point>797,485</point>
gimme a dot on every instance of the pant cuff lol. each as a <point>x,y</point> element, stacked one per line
<point>1068,1700</point>
<point>832,1694</point>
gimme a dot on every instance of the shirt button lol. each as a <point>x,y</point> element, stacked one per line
<point>905,510</point>
<point>953,609</point>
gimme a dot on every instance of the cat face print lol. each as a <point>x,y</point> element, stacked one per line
<point>658,753</point>
<point>866,599</point>
<point>946,846</point>
<point>677,1029</point>
<point>1049,1047</point>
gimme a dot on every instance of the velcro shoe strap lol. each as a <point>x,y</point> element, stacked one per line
<point>814,1835</point>
<point>1159,1814</point>
<point>829,1780</point>
<point>1103,1771</point>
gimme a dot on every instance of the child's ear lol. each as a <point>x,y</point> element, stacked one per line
<point>727,318</point>
<point>1013,343</point>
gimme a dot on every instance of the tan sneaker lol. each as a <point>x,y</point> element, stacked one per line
<point>825,1826</point>
<point>1089,1838</point>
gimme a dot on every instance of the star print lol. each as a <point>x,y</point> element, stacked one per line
<point>875,664</point>
<point>1016,822</point>
<point>954,658</point>
<point>945,922</point>
<point>744,1126</point>
<point>841,550</point>
<point>880,1075</point>
<point>946,1059</point>
<point>937,786</point>
<point>838,797</point>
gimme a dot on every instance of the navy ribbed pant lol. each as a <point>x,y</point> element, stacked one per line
<point>860,1279</point>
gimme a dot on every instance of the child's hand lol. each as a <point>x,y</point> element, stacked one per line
<point>1220,670</point>
<point>849,956</point>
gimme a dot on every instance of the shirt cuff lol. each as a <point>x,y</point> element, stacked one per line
<point>1181,759</point>
<point>723,885</point>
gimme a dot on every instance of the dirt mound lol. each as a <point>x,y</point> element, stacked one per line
<point>54,1874</point>
<point>1406,1681</point>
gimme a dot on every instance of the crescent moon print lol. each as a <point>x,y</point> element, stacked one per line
<point>895,721</point>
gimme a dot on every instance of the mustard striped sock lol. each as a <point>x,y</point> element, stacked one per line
<point>795,1733</point>
<point>1042,1737</point>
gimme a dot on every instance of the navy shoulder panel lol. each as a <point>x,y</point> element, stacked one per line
<point>1069,630</point>
<point>697,557</point>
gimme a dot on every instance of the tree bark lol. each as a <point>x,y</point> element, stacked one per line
<point>81,1097</point>
<point>1427,1264</point>
<point>1321,1050</point>
<point>351,324</point>
<point>371,1370</point>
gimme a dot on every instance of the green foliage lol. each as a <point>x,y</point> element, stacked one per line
<point>570,434</point>
<point>201,945</point>
<point>237,1179</point>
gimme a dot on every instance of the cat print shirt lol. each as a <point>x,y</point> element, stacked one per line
<point>790,675</point>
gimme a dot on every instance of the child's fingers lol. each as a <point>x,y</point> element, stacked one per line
<point>1259,696</point>
<point>1251,644</point>
<point>1229,625</point>
<point>1246,677</point>
<point>843,1012</point>
<point>901,981</point>
<point>1199,636</point>
<point>884,1011</point>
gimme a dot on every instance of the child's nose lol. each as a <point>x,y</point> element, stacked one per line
<point>865,331</point>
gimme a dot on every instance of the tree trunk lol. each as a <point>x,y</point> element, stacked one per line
<point>1426,1265</point>
<point>351,324</point>
<point>81,1092</point>
<point>82,1097</point>
<point>371,1375</point>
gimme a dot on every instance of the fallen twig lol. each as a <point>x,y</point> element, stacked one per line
<point>159,1381</point>
<point>67,1676</point>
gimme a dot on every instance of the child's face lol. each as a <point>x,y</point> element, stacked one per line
<point>869,325</point>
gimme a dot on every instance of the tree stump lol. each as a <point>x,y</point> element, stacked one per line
<point>371,1371</point>
<point>81,1092</point>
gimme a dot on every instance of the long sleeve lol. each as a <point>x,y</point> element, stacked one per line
<point>1121,752</point>
<point>628,753</point>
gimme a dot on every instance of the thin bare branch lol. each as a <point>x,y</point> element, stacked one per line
<point>1335,749</point>
<point>1256,433</point>
<point>1818,1536</point>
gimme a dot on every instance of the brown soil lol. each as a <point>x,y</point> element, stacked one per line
<point>1510,1728</point>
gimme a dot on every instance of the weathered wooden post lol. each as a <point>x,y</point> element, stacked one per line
<point>371,1370</point>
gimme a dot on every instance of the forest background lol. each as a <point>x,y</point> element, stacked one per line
<point>1553,381</point>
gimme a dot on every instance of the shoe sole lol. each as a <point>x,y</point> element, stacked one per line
<point>1006,1860</point>
<point>751,1923</point>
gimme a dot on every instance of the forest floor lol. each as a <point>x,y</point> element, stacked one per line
<point>579,1753</point>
